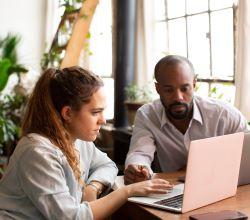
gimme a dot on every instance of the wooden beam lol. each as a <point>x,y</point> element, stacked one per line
<point>79,34</point>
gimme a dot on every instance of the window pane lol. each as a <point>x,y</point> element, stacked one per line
<point>177,37</point>
<point>159,10</point>
<point>222,43</point>
<point>160,41</point>
<point>198,44</point>
<point>194,6</point>
<point>202,89</point>
<point>100,45</point>
<point>223,91</point>
<point>175,8</point>
<point>218,4</point>
<point>109,92</point>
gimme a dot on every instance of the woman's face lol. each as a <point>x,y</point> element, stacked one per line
<point>86,123</point>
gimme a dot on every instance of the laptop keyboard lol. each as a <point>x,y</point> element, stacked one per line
<point>175,202</point>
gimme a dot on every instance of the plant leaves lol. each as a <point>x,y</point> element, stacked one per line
<point>9,47</point>
<point>17,69</point>
<point>4,76</point>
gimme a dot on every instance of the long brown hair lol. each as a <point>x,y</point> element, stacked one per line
<point>55,89</point>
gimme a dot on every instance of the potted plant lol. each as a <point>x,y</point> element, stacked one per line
<point>9,60</point>
<point>136,96</point>
<point>10,104</point>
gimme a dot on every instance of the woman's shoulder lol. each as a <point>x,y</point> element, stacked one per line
<point>36,143</point>
<point>32,149</point>
<point>84,146</point>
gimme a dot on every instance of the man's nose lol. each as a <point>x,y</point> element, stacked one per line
<point>178,95</point>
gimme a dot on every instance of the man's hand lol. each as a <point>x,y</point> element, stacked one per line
<point>136,173</point>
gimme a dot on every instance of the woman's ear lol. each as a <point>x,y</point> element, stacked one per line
<point>66,113</point>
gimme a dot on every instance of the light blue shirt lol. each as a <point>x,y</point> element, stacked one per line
<point>154,132</point>
<point>40,184</point>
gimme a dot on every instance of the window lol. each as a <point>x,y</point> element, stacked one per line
<point>202,31</point>
<point>98,51</point>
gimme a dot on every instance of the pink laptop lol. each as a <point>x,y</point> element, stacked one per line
<point>212,175</point>
<point>244,176</point>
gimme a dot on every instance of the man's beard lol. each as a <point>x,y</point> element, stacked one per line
<point>175,114</point>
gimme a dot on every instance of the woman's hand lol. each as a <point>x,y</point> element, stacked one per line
<point>144,188</point>
<point>106,205</point>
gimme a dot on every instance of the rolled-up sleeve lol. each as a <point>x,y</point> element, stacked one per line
<point>232,120</point>
<point>43,180</point>
<point>102,168</point>
<point>142,145</point>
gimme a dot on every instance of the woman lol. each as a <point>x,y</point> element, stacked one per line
<point>55,171</point>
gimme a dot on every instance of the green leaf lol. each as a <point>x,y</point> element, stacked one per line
<point>213,90</point>
<point>220,96</point>
<point>17,69</point>
<point>88,35</point>
<point>9,47</point>
<point>4,76</point>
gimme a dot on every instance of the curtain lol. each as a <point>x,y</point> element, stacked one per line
<point>242,76</point>
<point>144,65</point>
<point>53,18</point>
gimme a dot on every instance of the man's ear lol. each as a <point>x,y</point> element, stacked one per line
<point>157,87</point>
<point>194,83</point>
<point>66,113</point>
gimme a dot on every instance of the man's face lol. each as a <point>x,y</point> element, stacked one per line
<point>176,86</point>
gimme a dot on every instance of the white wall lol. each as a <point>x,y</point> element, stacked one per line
<point>27,18</point>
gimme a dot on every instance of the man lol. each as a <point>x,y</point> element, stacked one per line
<point>167,125</point>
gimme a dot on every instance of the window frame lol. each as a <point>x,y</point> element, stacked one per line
<point>210,80</point>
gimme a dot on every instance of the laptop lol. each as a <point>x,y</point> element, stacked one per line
<point>212,175</point>
<point>244,176</point>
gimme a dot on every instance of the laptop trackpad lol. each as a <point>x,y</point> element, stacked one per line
<point>177,190</point>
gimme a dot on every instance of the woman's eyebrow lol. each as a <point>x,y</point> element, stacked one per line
<point>97,109</point>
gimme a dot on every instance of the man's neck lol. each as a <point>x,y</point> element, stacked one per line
<point>182,125</point>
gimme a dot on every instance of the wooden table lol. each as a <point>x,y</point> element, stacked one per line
<point>240,202</point>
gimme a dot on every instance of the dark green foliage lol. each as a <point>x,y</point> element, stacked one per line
<point>11,105</point>
<point>9,59</point>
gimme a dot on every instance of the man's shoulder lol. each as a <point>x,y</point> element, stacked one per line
<point>214,105</point>
<point>151,111</point>
<point>154,106</point>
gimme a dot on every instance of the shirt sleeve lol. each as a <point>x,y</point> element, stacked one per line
<point>43,180</point>
<point>142,145</point>
<point>102,168</point>
<point>236,122</point>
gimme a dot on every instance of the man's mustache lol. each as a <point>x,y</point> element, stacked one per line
<point>178,104</point>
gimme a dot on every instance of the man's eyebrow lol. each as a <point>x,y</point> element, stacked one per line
<point>170,86</point>
<point>186,84</point>
<point>165,85</point>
